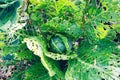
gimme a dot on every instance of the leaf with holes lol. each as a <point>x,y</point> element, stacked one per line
<point>95,62</point>
<point>38,46</point>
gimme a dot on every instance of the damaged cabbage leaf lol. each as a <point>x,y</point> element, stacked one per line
<point>95,62</point>
<point>38,46</point>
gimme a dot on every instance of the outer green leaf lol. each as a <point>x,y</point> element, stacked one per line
<point>37,72</point>
<point>20,52</point>
<point>8,13</point>
<point>38,46</point>
<point>95,62</point>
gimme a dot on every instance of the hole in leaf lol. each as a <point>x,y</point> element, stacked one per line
<point>116,40</point>
<point>104,8</point>
<point>87,71</point>
<point>9,76</point>
<point>12,72</point>
<point>95,26</point>
<point>15,68</point>
<point>110,27</point>
<point>118,61</point>
<point>111,17</point>
<point>2,67</point>
<point>56,58</point>
<point>104,28</point>
<point>115,53</point>
<point>105,68</point>
<point>19,50</point>
<point>111,57</point>
<point>98,73</point>
<point>107,23</point>
<point>111,64</point>
<point>100,4</point>
<point>119,75</point>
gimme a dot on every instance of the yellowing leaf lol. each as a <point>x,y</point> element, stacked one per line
<point>102,31</point>
<point>1,36</point>
<point>1,44</point>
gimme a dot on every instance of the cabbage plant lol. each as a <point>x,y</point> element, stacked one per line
<point>61,40</point>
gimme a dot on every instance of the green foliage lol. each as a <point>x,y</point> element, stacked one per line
<point>37,72</point>
<point>38,46</point>
<point>61,16</point>
<point>102,15</point>
<point>58,25</point>
<point>62,39</point>
<point>95,62</point>
<point>8,13</point>
<point>2,35</point>
<point>20,52</point>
